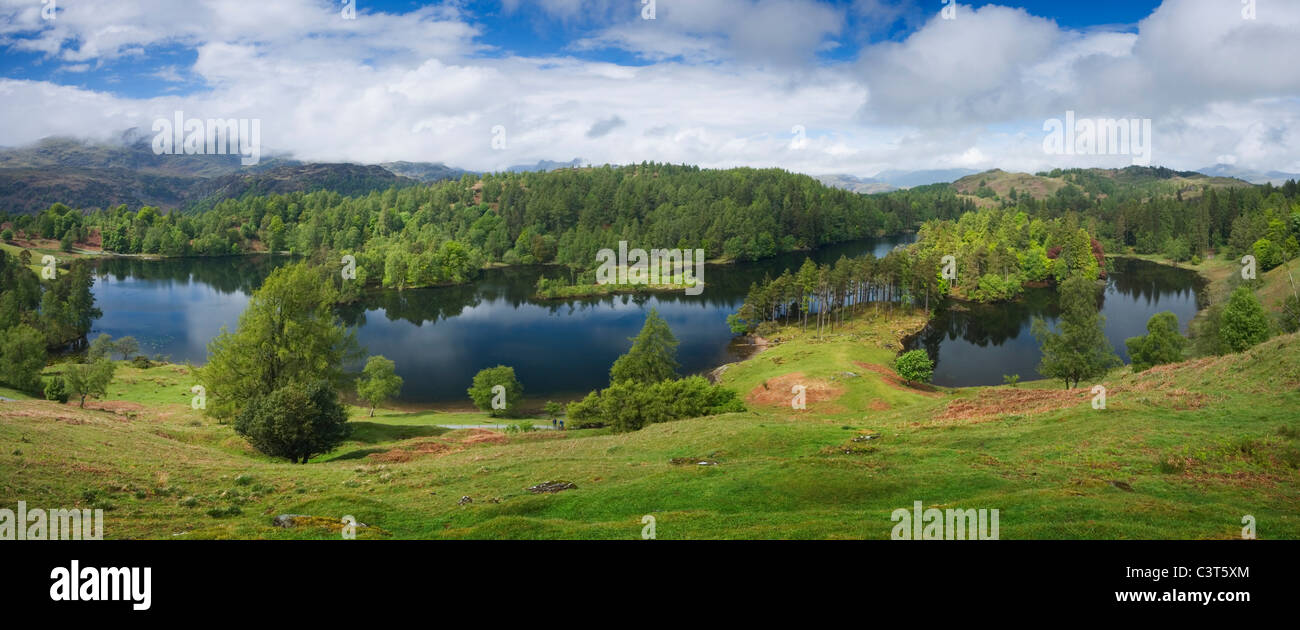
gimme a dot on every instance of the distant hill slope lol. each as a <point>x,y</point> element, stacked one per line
<point>990,187</point>
<point>427,172</point>
<point>864,185</point>
<point>349,180</point>
<point>85,174</point>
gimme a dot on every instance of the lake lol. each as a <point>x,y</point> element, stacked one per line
<point>441,337</point>
<point>975,344</point>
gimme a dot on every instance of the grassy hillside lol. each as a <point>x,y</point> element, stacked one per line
<point>991,187</point>
<point>1180,452</point>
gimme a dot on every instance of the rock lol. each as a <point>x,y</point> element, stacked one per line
<point>865,438</point>
<point>849,375</point>
<point>1122,486</point>
<point>553,487</point>
<point>287,520</point>
<point>303,520</point>
<point>464,500</point>
<point>681,461</point>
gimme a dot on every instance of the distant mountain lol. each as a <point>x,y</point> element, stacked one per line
<point>85,174</point>
<point>1255,177</point>
<point>349,180</point>
<point>863,185</point>
<point>545,166</point>
<point>911,179</point>
<point>427,172</point>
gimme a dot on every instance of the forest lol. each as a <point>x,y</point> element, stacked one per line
<point>444,233</point>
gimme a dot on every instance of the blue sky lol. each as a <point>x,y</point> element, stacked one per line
<point>531,30</point>
<point>851,86</point>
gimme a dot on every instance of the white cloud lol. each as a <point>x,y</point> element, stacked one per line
<point>732,78</point>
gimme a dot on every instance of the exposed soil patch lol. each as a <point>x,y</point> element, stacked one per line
<point>483,436</point>
<point>999,402</point>
<point>779,391</point>
<point>894,381</point>
<point>412,451</point>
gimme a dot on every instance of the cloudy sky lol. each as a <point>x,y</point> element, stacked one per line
<point>850,86</point>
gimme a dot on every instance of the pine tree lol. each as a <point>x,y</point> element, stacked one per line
<point>653,357</point>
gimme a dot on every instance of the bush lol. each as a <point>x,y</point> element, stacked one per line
<point>629,405</point>
<point>295,421</point>
<point>1244,323</point>
<point>56,390</point>
<point>1162,344</point>
<point>914,366</point>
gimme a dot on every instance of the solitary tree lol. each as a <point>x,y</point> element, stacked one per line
<point>92,379</point>
<point>553,409</point>
<point>1080,350</point>
<point>287,334</point>
<point>127,346</point>
<point>497,402</point>
<point>101,347</point>
<point>1162,343</point>
<point>1244,323</point>
<point>653,357</point>
<point>295,421</point>
<point>379,382</point>
<point>22,357</point>
<point>914,366</point>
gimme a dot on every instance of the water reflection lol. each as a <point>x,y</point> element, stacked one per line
<point>978,344</point>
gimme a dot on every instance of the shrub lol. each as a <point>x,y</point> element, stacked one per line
<point>629,405</point>
<point>914,366</point>
<point>55,389</point>
<point>295,422</point>
<point>1245,323</point>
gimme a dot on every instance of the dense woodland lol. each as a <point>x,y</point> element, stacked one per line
<point>38,316</point>
<point>444,233</point>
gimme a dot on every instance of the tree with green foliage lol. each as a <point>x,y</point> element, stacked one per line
<point>914,366</point>
<point>126,346</point>
<point>88,379</point>
<point>1080,349</point>
<point>22,358</point>
<point>629,405</point>
<point>1162,344</point>
<point>56,389</point>
<point>653,356</point>
<point>498,403</point>
<point>553,409</point>
<point>1244,323</point>
<point>379,382</point>
<point>289,333</point>
<point>295,421</point>
<point>101,347</point>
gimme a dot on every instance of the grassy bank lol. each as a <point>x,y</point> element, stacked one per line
<point>1180,452</point>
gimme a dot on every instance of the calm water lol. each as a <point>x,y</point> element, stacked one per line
<point>441,337</point>
<point>978,344</point>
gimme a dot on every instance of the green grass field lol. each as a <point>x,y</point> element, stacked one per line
<point>1179,452</point>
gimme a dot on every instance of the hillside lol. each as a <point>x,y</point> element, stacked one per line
<point>84,174</point>
<point>349,180</point>
<point>1182,451</point>
<point>991,187</point>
